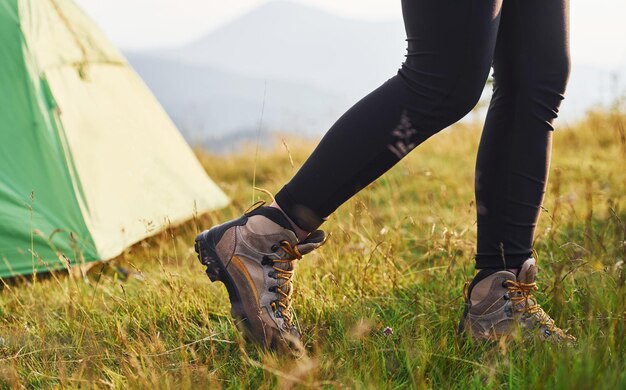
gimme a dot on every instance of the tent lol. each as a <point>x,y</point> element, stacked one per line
<point>89,162</point>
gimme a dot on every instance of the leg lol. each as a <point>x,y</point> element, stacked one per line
<point>451,44</point>
<point>531,68</point>
<point>450,51</point>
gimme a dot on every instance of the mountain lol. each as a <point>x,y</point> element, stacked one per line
<point>208,104</point>
<point>310,65</point>
<point>288,41</point>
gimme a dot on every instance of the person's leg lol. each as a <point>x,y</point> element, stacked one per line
<point>450,50</point>
<point>451,44</point>
<point>531,68</point>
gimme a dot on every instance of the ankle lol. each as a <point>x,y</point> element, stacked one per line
<point>300,233</point>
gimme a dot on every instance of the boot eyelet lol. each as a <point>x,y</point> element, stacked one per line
<point>265,260</point>
<point>506,297</point>
<point>272,274</point>
<point>505,284</point>
<point>275,248</point>
<point>272,289</point>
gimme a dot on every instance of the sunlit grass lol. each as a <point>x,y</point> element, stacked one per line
<point>398,256</point>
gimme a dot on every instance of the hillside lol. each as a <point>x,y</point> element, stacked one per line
<point>398,256</point>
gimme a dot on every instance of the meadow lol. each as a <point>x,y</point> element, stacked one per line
<point>398,256</point>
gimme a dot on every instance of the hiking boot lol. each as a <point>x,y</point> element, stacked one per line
<point>501,302</point>
<point>254,256</point>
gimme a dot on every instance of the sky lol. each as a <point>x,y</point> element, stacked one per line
<point>598,27</point>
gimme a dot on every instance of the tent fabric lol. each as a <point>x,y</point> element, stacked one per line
<point>90,163</point>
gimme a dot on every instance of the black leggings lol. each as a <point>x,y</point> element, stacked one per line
<point>451,46</point>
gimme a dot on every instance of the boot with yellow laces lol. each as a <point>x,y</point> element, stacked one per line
<point>255,256</point>
<point>498,302</point>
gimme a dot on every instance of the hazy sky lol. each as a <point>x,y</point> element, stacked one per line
<point>598,26</point>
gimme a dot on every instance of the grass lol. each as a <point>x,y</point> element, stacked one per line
<point>399,254</point>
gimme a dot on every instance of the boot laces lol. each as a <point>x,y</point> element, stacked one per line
<point>285,289</point>
<point>524,301</point>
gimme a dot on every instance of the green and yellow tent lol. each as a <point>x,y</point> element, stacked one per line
<point>89,161</point>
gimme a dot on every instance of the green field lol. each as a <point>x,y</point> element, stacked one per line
<point>398,256</point>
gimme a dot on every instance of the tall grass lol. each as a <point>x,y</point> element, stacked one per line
<point>398,256</point>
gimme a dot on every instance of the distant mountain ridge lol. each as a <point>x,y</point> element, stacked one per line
<point>289,41</point>
<point>208,103</point>
<point>309,64</point>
